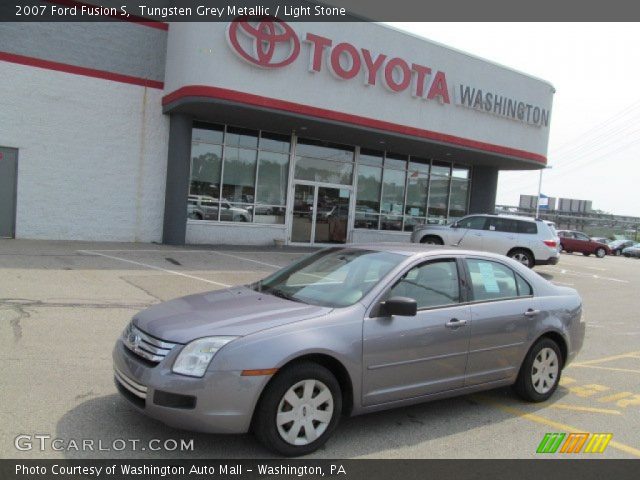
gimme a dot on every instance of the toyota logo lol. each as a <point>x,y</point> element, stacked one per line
<point>267,43</point>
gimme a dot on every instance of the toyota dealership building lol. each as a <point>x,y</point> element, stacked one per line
<point>252,132</point>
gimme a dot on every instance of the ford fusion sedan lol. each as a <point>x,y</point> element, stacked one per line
<point>527,240</point>
<point>347,331</point>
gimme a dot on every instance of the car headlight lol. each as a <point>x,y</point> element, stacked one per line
<point>196,356</point>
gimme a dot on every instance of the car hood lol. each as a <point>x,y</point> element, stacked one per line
<point>234,311</point>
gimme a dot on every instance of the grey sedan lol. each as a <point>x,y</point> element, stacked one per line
<point>345,331</point>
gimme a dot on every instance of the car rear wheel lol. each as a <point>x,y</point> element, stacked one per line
<point>540,372</point>
<point>522,256</point>
<point>601,252</point>
<point>299,410</point>
<point>431,240</point>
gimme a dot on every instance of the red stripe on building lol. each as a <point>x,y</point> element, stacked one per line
<point>272,103</point>
<point>131,18</point>
<point>73,69</point>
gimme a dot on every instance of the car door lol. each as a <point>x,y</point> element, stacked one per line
<point>585,243</point>
<point>567,241</point>
<point>501,235</point>
<point>411,356</point>
<point>502,309</point>
<point>469,232</point>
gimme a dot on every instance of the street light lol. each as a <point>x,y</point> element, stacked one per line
<point>540,189</point>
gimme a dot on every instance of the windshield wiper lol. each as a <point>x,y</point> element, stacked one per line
<point>281,294</point>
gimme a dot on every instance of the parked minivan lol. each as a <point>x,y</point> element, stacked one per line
<point>527,240</point>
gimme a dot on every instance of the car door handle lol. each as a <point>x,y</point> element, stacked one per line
<point>455,323</point>
<point>531,313</point>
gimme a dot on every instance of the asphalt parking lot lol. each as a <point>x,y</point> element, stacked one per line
<point>63,304</point>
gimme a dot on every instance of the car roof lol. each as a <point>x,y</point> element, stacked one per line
<point>419,249</point>
<point>510,217</point>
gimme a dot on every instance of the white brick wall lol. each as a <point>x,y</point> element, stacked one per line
<point>92,155</point>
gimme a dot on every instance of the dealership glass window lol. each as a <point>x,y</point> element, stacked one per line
<point>438,198</point>
<point>241,137</point>
<point>239,175</point>
<point>206,165</point>
<point>368,197</point>
<point>328,151</point>
<point>324,162</point>
<point>417,189</point>
<point>392,199</point>
<point>370,157</point>
<point>235,181</point>
<point>459,198</point>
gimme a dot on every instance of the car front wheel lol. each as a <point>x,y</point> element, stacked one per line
<point>431,240</point>
<point>299,410</point>
<point>601,253</point>
<point>540,372</point>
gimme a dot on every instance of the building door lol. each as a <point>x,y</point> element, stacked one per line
<point>8,189</point>
<point>320,214</point>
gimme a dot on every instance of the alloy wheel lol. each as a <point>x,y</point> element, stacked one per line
<point>304,412</point>
<point>544,372</point>
<point>521,257</point>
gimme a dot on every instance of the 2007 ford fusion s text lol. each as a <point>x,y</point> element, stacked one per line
<point>346,331</point>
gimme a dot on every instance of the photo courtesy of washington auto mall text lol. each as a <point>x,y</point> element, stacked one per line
<point>368,240</point>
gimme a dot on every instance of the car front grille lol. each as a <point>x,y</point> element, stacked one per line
<point>131,385</point>
<point>144,345</point>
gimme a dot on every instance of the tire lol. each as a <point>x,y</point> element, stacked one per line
<point>586,254</point>
<point>545,353</point>
<point>288,384</point>
<point>523,256</point>
<point>431,240</point>
<point>562,248</point>
<point>601,252</point>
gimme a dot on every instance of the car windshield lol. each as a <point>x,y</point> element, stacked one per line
<point>334,277</point>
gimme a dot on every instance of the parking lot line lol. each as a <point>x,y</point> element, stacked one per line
<point>606,359</point>
<point>152,267</point>
<point>613,369</point>
<point>552,423</point>
<point>564,406</point>
<point>246,259</point>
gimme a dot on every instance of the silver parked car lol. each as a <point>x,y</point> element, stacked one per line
<point>527,240</point>
<point>345,331</point>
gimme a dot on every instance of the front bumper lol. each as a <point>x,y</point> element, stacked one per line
<point>219,402</point>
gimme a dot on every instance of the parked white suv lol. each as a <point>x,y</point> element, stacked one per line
<point>530,241</point>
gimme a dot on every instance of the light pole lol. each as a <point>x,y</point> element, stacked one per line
<point>540,189</point>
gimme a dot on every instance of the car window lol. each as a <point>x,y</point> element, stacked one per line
<point>528,227</point>
<point>474,223</point>
<point>565,234</point>
<point>431,284</point>
<point>582,236</point>
<point>491,280</point>
<point>524,289</point>
<point>502,225</point>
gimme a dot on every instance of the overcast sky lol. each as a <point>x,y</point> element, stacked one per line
<point>594,147</point>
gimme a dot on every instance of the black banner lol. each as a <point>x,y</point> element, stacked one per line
<point>552,469</point>
<point>318,11</point>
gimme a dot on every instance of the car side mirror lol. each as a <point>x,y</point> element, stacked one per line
<point>403,306</point>
<point>455,225</point>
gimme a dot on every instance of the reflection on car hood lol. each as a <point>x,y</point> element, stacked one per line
<point>234,311</point>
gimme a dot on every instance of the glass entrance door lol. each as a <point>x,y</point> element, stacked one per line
<point>320,214</point>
